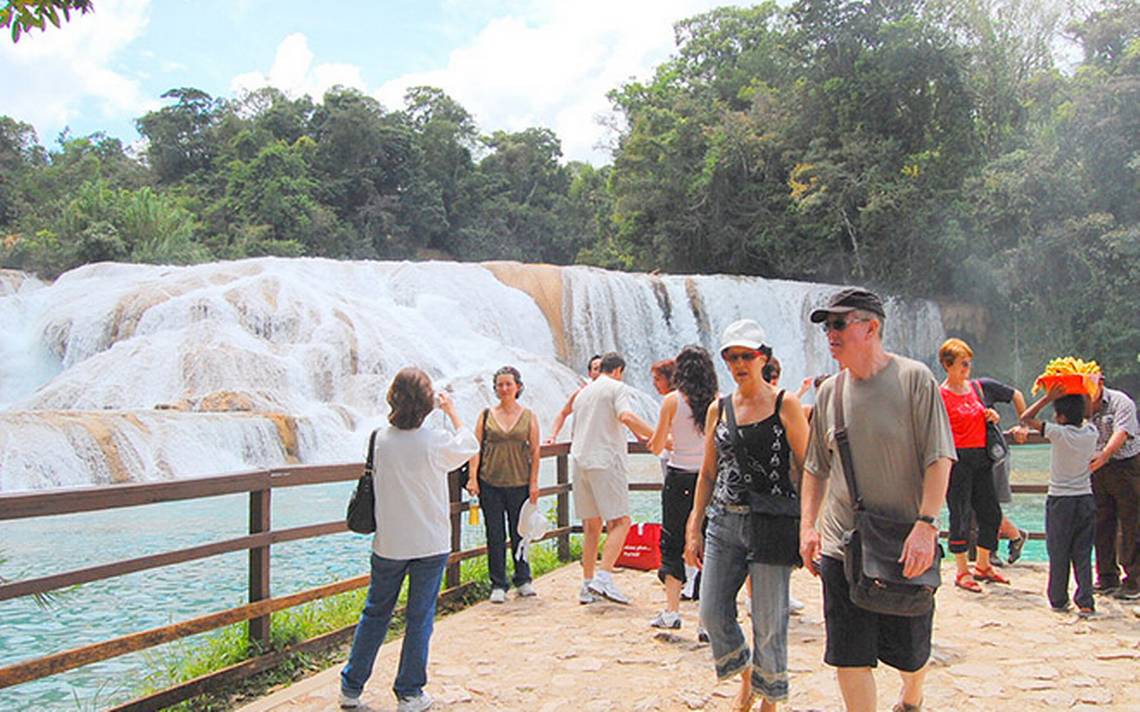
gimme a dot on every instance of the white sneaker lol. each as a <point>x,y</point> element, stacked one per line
<point>498,595</point>
<point>795,605</point>
<point>666,619</point>
<point>605,587</point>
<point>526,590</point>
<point>347,702</point>
<point>584,595</point>
<point>414,704</point>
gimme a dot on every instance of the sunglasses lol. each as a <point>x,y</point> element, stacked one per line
<point>740,356</point>
<point>839,324</point>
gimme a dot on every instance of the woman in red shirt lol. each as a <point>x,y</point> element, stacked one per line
<point>971,479</point>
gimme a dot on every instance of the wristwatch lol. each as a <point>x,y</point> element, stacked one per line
<point>928,520</point>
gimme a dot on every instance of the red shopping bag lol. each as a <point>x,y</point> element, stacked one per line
<point>642,548</point>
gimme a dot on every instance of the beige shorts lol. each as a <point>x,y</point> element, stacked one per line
<point>601,492</point>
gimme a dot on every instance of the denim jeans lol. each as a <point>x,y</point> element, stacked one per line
<point>497,503</point>
<point>423,589</point>
<point>1069,524</point>
<point>726,564</point>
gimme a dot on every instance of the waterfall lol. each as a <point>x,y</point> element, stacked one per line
<point>120,372</point>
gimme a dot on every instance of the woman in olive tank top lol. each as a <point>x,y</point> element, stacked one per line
<point>504,476</point>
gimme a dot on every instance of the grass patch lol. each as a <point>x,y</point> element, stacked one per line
<point>186,659</point>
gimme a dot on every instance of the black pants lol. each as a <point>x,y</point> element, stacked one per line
<point>972,491</point>
<point>498,502</point>
<point>1116,488</point>
<point>676,504</point>
<point>1069,525</point>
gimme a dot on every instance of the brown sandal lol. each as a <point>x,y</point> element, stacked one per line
<point>966,580</point>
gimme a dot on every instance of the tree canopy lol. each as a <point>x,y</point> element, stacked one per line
<point>932,148</point>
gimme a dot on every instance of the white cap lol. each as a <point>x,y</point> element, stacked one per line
<point>745,333</point>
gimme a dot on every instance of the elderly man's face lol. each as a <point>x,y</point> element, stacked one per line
<point>847,335</point>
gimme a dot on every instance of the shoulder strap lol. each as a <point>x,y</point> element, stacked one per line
<point>370,457</point>
<point>843,442</point>
<point>733,431</point>
<point>980,393</point>
<point>483,440</point>
<point>779,401</point>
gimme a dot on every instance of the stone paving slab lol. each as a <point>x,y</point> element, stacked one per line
<point>1000,650</point>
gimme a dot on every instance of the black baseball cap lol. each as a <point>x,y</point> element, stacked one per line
<point>848,300</point>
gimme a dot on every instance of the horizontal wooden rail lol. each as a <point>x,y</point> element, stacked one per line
<point>54,582</point>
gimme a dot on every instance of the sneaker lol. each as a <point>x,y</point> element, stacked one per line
<point>1086,613</point>
<point>526,590</point>
<point>995,559</point>
<point>667,619</point>
<point>702,635</point>
<point>1060,609</point>
<point>1106,587</point>
<point>1128,592</point>
<point>1016,545</point>
<point>584,595</point>
<point>605,587</point>
<point>498,595</point>
<point>414,704</point>
<point>795,605</point>
<point>348,702</point>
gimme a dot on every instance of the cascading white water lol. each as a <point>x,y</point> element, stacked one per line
<point>135,372</point>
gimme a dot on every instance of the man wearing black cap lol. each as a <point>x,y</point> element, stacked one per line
<point>902,450</point>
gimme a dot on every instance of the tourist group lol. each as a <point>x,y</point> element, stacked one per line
<point>757,484</point>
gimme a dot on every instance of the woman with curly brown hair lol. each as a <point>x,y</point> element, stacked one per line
<point>413,535</point>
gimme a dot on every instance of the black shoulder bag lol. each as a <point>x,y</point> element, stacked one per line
<point>774,521</point>
<point>996,446</point>
<point>463,472</point>
<point>872,549</point>
<point>361,516</point>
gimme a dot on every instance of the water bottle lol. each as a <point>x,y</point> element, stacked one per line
<point>473,512</point>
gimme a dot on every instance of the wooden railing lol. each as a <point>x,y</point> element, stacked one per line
<point>259,485</point>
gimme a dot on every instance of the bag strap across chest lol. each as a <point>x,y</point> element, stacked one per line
<point>844,442</point>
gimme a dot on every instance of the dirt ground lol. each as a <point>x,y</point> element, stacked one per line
<point>1003,649</point>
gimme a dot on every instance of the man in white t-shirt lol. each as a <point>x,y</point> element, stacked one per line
<point>602,412</point>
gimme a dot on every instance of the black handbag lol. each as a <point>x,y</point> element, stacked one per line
<point>774,521</point>
<point>872,549</point>
<point>361,515</point>
<point>463,472</point>
<point>996,446</point>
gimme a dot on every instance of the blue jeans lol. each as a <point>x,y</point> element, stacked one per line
<point>726,564</point>
<point>423,589</point>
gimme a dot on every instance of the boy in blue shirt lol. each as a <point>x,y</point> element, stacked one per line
<point>1070,510</point>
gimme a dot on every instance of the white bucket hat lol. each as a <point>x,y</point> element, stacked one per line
<point>532,527</point>
<point>746,333</point>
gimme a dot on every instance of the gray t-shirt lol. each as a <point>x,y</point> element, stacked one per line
<point>897,426</point>
<point>1073,448</point>
<point>598,439</point>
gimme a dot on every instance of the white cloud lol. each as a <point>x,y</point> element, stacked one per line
<point>552,64</point>
<point>293,72</point>
<point>58,71</point>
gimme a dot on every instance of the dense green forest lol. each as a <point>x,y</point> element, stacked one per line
<point>934,148</point>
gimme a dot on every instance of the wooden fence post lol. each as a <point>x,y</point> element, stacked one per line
<point>454,495</point>
<point>259,521</point>
<point>563,508</point>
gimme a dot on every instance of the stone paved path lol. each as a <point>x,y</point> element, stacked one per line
<point>1001,650</point>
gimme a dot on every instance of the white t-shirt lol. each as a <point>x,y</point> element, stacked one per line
<point>599,438</point>
<point>410,476</point>
<point>1073,448</point>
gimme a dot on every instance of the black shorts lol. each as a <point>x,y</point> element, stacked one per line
<point>860,638</point>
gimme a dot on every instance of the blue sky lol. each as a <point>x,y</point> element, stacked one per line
<point>512,63</point>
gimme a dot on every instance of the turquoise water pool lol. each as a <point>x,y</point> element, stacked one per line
<point>127,604</point>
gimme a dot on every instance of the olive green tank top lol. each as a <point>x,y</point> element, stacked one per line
<point>505,458</point>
